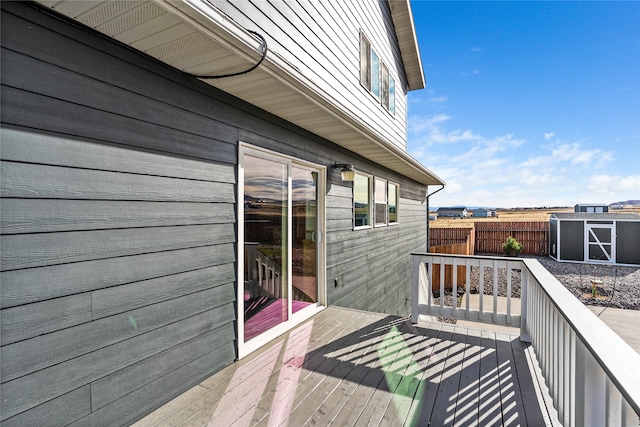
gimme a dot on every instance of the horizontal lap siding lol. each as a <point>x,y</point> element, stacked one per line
<point>372,267</point>
<point>322,41</point>
<point>118,230</point>
<point>119,226</point>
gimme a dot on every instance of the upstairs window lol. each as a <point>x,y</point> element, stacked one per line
<point>374,76</point>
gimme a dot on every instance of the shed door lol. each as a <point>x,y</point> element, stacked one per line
<point>600,245</point>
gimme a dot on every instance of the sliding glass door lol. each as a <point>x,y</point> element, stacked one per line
<point>282,244</point>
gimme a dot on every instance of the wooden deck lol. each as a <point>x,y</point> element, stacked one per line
<point>353,368</point>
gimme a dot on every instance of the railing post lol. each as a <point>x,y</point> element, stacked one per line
<point>415,288</point>
<point>524,290</point>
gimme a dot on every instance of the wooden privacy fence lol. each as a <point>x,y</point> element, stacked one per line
<point>465,248</point>
<point>488,236</point>
<point>534,236</point>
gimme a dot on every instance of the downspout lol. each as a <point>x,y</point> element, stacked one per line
<point>427,200</point>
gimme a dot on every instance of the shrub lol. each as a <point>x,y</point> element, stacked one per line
<point>511,247</point>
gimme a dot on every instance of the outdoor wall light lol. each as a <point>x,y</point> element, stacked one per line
<point>347,172</point>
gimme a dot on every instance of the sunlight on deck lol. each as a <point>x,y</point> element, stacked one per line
<point>351,368</point>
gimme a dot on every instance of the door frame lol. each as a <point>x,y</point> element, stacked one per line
<point>587,232</point>
<point>245,348</point>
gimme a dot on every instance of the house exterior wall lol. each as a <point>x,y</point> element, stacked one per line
<point>119,230</point>
<point>322,40</point>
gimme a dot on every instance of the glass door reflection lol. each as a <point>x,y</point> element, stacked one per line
<point>305,238</point>
<point>266,201</point>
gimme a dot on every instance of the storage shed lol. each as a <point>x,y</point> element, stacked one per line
<point>591,208</point>
<point>608,238</point>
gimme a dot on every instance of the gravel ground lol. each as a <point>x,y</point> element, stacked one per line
<point>620,287</point>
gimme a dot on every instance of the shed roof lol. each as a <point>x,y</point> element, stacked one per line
<point>595,216</point>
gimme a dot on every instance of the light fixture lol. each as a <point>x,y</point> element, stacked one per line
<point>347,171</point>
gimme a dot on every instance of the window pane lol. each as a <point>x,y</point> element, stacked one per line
<point>362,200</point>
<point>385,86</point>
<point>375,74</point>
<point>392,96</point>
<point>365,63</point>
<point>381,202</point>
<point>393,203</point>
<point>266,196</point>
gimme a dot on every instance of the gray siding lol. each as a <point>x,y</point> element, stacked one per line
<point>627,238</point>
<point>321,39</point>
<point>118,225</point>
<point>571,240</point>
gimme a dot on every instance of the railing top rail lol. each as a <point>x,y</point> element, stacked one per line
<point>614,355</point>
<point>497,258</point>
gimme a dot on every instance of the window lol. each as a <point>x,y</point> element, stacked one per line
<point>365,62</point>
<point>361,201</point>
<point>381,202</point>
<point>375,202</point>
<point>392,97</point>
<point>393,203</point>
<point>374,76</point>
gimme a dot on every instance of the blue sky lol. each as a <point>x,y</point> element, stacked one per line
<point>528,103</point>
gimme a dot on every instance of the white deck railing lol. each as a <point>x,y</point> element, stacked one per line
<point>593,376</point>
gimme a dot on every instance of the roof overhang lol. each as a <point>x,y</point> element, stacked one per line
<point>406,33</point>
<point>197,38</point>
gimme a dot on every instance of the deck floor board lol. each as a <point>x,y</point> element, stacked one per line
<point>353,368</point>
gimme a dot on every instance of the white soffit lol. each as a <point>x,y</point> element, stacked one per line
<point>195,37</point>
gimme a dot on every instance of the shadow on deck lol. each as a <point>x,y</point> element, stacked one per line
<point>352,368</point>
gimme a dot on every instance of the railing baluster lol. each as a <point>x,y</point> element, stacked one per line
<point>509,267</point>
<point>573,382</point>
<point>614,405</point>
<point>481,306</point>
<point>467,287</point>
<point>443,267</point>
<point>495,291</point>
<point>455,288</point>
<point>592,375</point>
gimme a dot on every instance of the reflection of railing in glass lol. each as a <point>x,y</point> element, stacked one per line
<point>261,274</point>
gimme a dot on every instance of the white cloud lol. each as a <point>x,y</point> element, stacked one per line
<point>548,135</point>
<point>506,171</point>
<point>474,72</point>
<point>612,184</point>
<point>439,99</point>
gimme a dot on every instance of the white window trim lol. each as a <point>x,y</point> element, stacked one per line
<point>386,98</point>
<point>397,203</point>
<point>294,319</point>
<point>353,203</point>
<point>375,202</point>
